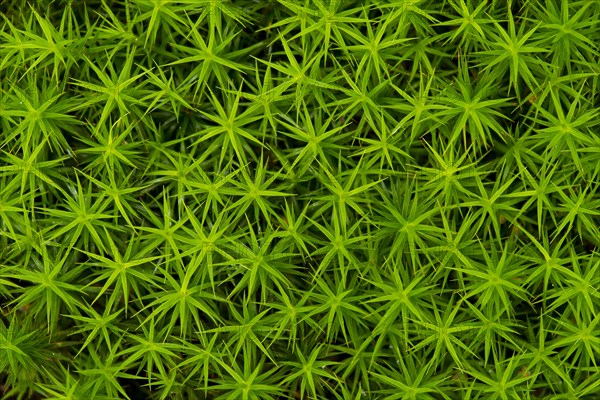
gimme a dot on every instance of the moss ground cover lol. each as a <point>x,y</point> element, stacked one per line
<point>299,199</point>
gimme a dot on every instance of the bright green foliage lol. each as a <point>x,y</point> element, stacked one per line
<point>300,199</point>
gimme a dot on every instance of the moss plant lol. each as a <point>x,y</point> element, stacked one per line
<point>299,199</point>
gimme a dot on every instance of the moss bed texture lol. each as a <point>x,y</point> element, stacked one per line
<point>300,199</point>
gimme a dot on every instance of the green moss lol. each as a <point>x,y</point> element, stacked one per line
<point>299,199</point>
